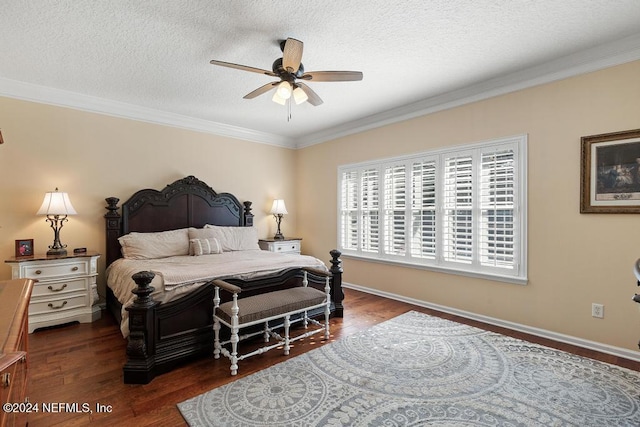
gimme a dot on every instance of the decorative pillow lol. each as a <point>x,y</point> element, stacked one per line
<point>235,238</point>
<point>199,247</point>
<point>162,244</point>
<point>202,233</point>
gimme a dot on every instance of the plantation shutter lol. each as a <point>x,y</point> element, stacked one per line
<point>349,210</point>
<point>370,235</point>
<point>461,209</point>
<point>497,230</point>
<point>395,205</point>
<point>423,209</point>
<point>458,209</point>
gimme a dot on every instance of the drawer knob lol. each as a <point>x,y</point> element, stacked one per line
<point>57,290</point>
<point>57,307</point>
<point>38,271</point>
<point>74,269</point>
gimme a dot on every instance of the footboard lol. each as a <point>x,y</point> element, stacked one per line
<point>162,336</point>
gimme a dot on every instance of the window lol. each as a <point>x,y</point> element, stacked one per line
<point>460,210</point>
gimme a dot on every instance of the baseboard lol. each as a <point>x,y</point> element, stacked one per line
<point>543,333</point>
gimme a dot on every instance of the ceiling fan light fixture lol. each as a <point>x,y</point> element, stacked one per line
<point>284,90</point>
<point>299,95</point>
<point>277,99</point>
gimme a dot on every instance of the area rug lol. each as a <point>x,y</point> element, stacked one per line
<point>419,370</point>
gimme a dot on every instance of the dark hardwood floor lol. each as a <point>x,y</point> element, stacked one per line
<point>82,363</point>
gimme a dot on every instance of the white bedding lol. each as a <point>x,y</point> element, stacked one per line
<point>178,275</point>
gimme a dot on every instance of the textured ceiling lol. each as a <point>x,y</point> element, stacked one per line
<point>149,59</point>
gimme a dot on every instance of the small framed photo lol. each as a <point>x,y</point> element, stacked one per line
<point>24,248</point>
<point>610,173</point>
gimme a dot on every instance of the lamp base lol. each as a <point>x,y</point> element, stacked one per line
<point>57,252</point>
<point>278,236</point>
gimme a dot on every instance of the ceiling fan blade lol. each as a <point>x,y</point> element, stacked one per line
<point>314,99</point>
<point>332,76</point>
<point>292,55</point>
<point>261,90</point>
<point>242,67</point>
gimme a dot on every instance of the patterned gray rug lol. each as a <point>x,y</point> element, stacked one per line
<point>417,370</point>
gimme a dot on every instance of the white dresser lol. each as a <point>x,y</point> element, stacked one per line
<point>65,290</point>
<point>288,245</point>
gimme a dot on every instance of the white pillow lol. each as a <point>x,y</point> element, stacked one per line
<point>199,247</point>
<point>235,238</point>
<point>162,244</point>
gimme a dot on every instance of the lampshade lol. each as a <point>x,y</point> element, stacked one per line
<point>636,269</point>
<point>56,203</point>
<point>284,90</point>
<point>299,95</point>
<point>278,207</point>
<point>277,99</point>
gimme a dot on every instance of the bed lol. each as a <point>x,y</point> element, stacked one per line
<point>167,329</point>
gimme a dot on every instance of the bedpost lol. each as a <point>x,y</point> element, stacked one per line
<point>139,368</point>
<point>113,222</point>
<point>336,291</point>
<point>248,216</point>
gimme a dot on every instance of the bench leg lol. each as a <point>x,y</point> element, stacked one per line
<point>234,335</point>
<point>266,331</point>
<point>287,324</point>
<point>327,312</point>
<point>234,350</point>
<point>216,340</point>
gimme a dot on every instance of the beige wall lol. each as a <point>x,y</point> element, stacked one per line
<point>573,259</point>
<point>94,156</point>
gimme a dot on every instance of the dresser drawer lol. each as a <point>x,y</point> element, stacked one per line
<point>58,305</point>
<point>55,270</point>
<point>60,287</point>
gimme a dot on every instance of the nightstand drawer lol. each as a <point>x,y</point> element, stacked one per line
<point>58,305</point>
<point>55,270</point>
<point>286,246</point>
<point>290,246</point>
<point>51,289</point>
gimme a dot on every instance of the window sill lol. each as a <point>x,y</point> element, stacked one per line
<point>467,273</point>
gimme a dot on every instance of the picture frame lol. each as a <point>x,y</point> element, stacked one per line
<point>610,172</point>
<point>24,248</point>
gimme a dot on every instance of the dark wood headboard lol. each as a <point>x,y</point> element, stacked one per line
<point>188,202</point>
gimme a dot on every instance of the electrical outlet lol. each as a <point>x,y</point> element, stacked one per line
<point>597,310</point>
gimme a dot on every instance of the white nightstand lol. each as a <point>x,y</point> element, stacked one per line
<point>285,246</point>
<point>65,290</point>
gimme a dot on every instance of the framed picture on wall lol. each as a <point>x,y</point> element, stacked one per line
<point>24,248</point>
<point>610,173</point>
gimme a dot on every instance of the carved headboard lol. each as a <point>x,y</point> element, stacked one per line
<point>188,202</point>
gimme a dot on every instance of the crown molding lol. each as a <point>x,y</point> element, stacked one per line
<point>47,95</point>
<point>604,56</point>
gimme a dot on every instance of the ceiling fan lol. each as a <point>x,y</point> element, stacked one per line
<point>290,71</point>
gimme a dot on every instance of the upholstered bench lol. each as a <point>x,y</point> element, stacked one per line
<point>264,308</point>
